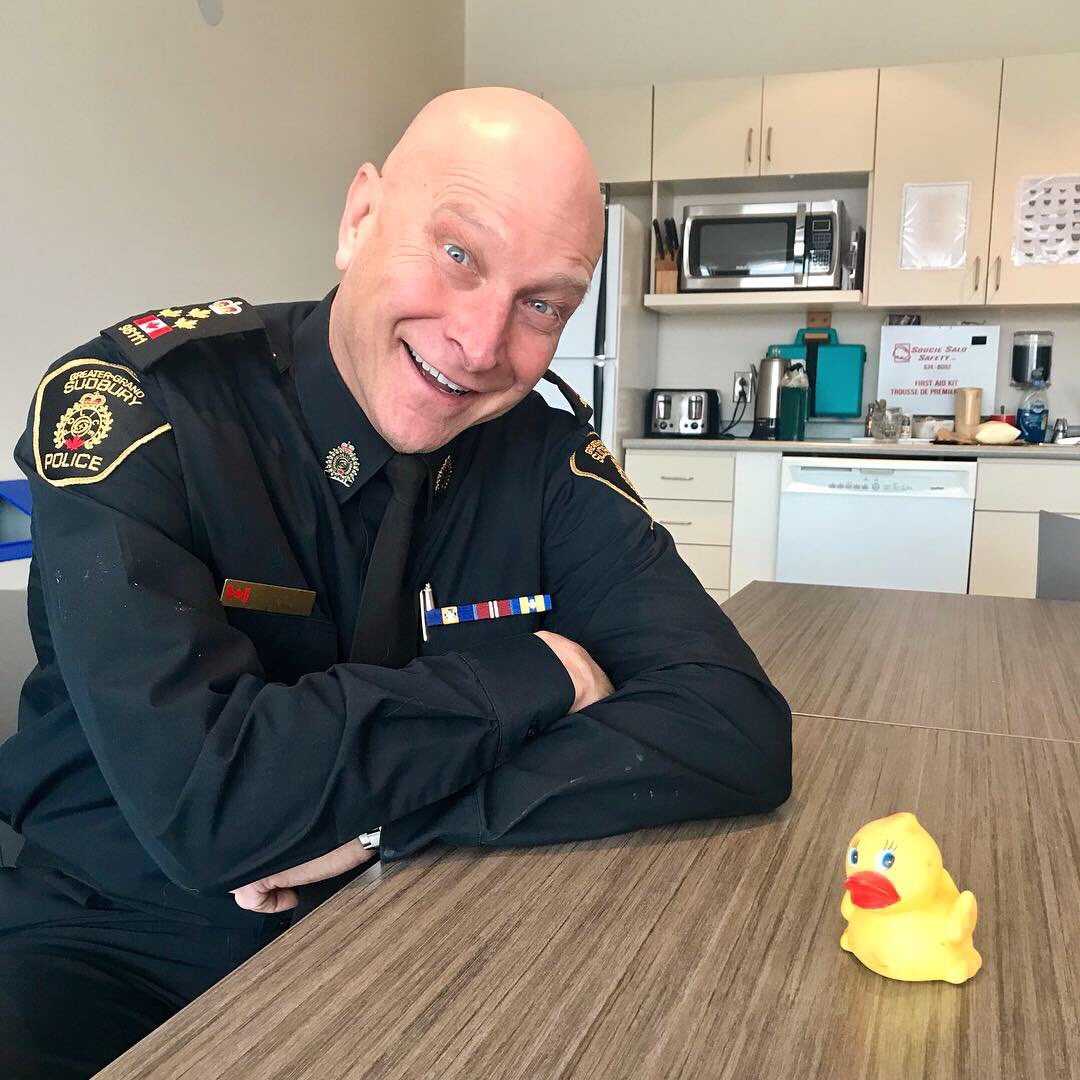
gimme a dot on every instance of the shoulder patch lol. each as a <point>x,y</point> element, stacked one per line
<point>595,461</point>
<point>145,338</point>
<point>89,415</point>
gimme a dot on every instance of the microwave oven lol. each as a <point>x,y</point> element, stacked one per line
<point>796,245</point>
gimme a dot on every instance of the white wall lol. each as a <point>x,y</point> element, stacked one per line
<point>150,159</point>
<point>535,43</point>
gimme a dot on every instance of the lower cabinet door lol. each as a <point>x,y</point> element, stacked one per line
<point>1004,554</point>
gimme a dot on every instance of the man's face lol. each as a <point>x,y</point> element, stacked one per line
<point>455,290</point>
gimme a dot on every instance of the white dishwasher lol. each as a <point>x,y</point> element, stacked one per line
<point>876,522</point>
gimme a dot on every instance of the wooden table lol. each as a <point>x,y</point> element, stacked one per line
<point>968,663</point>
<point>709,949</point>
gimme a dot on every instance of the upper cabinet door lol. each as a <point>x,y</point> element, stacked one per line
<point>616,124</point>
<point>709,128</point>
<point>936,126</point>
<point>1035,245</point>
<point>819,122</point>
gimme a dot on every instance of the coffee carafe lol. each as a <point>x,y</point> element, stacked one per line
<point>768,377</point>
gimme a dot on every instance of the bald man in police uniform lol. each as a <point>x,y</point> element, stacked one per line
<point>316,580</point>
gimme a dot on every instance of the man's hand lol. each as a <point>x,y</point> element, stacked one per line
<point>590,682</point>
<point>277,893</point>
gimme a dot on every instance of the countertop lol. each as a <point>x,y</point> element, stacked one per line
<point>711,949</point>
<point>848,447</point>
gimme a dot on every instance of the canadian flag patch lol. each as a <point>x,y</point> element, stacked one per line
<point>152,326</point>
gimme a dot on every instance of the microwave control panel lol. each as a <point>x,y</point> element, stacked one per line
<point>820,243</point>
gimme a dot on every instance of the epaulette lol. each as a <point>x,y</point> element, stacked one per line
<point>144,339</point>
<point>578,405</point>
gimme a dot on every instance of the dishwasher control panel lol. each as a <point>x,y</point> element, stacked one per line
<point>906,477</point>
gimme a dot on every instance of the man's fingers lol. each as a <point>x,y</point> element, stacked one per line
<point>277,892</point>
<point>265,899</point>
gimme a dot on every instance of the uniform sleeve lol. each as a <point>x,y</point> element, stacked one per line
<point>223,776</point>
<point>694,728</point>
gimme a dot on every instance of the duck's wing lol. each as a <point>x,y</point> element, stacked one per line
<point>960,922</point>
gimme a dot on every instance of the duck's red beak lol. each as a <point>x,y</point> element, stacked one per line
<point>869,889</point>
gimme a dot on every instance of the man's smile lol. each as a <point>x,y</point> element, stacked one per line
<point>433,375</point>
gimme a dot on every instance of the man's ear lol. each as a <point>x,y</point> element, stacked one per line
<point>362,200</point>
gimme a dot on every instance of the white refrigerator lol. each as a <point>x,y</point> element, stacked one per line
<point>607,351</point>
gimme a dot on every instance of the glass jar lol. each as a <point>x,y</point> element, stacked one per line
<point>888,424</point>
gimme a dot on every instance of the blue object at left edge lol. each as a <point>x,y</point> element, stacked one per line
<point>17,494</point>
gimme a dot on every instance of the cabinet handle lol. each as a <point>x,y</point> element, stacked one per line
<point>997,273</point>
<point>978,267</point>
<point>676,478</point>
<point>663,522</point>
<point>749,145</point>
<point>768,144</point>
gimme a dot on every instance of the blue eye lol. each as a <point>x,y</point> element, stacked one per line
<point>542,307</point>
<point>853,856</point>
<point>458,254</point>
<point>886,859</point>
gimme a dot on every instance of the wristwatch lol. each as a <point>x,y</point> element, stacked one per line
<point>370,840</point>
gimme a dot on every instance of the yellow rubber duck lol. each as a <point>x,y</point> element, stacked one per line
<point>906,918</point>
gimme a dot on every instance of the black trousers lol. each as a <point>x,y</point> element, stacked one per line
<point>84,977</point>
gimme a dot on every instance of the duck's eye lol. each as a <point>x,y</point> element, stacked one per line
<point>853,856</point>
<point>886,859</point>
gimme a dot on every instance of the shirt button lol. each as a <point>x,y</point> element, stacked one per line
<point>531,733</point>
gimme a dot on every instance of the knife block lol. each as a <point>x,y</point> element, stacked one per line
<point>667,277</point>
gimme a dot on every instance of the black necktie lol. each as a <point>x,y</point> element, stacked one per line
<point>386,624</point>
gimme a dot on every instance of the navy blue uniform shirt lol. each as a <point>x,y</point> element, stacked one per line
<point>171,748</point>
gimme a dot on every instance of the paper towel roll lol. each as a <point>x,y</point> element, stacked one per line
<point>967,408</point>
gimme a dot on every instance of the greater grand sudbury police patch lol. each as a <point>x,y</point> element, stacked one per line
<point>89,415</point>
<point>595,461</point>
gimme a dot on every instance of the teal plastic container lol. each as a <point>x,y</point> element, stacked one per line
<point>836,372</point>
<point>838,380</point>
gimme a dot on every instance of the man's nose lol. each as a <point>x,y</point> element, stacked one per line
<point>481,328</point>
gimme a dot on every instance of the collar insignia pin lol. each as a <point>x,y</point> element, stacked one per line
<point>342,464</point>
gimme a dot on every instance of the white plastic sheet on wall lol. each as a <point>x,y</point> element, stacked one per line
<point>1047,221</point>
<point>934,226</point>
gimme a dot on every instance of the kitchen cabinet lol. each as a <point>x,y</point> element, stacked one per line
<point>756,518</point>
<point>819,122</point>
<point>1038,136</point>
<point>691,495</point>
<point>1005,536</point>
<point>936,124</point>
<point>707,128</point>
<point>616,124</point>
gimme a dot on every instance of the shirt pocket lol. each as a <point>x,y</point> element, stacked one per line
<point>288,646</point>
<point>466,636</point>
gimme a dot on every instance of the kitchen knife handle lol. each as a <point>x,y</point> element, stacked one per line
<point>768,144</point>
<point>749,145</point>
<point>978,268</point>
<point>997,273</point>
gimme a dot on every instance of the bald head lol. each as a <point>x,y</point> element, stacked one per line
<point>462,260</point>
<point>504,137</point>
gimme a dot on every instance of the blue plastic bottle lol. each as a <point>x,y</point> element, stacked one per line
<point>1033,413</point>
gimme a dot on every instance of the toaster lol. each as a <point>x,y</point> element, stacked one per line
<point>692,414</point>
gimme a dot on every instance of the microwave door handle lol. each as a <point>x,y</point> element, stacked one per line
<point>799,252</point>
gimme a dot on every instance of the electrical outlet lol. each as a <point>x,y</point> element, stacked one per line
<point>742,388</point>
